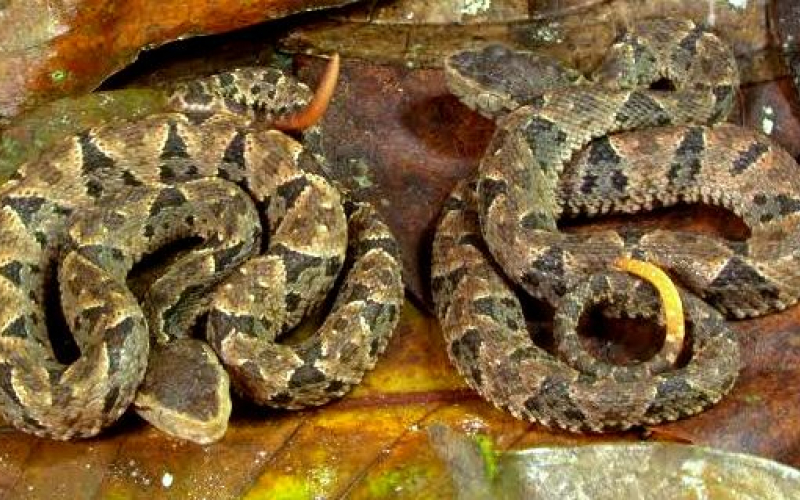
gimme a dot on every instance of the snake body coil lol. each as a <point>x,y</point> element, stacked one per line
<point>609,145</point>
<point>272,240</point>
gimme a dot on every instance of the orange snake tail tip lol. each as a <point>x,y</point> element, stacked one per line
<point>315,110</point>
<point>670,298</point>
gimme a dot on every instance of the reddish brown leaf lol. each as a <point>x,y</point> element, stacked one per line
<point>51,50</point>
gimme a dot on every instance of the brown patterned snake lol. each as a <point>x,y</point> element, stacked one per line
<point>270,239</point>
<point>613,145</point>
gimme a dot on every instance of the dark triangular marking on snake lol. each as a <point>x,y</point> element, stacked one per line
<point>113,220</point>
<point>295,262</point>
<point>333,266</point>
<point>524,353</point>
<point>110,400</point>
<point>391,312</point>
<point>466,349</point>
<point>129,179</point>
<point>356,291</point>
<point>172,315</point>
<point>18,328</point>
<point>632,235</point>
<point>723,97</point>
<point>451,279</point>
<point>174,145</point>
<point>308,374</point>
<point>619,180</point>
<point>279,400</point>
<point>377,344</point>
<point>583,103</point>
<point>102,255</point>
<point>166,173</point>
<point>668,391</point>
<point>512,324</point>
<point>95,188</point>
<point>537,220</point>
<point>589,183</point>
<point>641,110</point>
<point>735,274</point>
<point>234,152</point>
<point>453,204</point>
<point>41,238</point>
<point>787,205</point>
<point>25,207</point>
<point>167,197</point>
<point>175,170</point>
<point>116,338</point>
<point>196,94</point>
<point>748,157</point>
<point>292,190</point>
<point>490,189</point>
<point>779,205</point>
<point>6,376</point>
<point>385,243</point>
<point>686,165</point>
<point>547,271</point>
<point>532,278</point>
<point>335,387</point>
<point>689,42</point>
<point>225,323</point>
<point>292,301</point>
<point>545,138</point>
<point>372,311</point>
<point>270,76</point>
<point>485,306</point>
<point>602,155</point>
<point>223,258</point>
<point>551,262</point>
<point>471,239</point>
<point>13,272</point>
<point>640,50</point>
<point>340,324</point>
<point>226,79</point>
<point>554,393</point>
<point>235,104</point>
<point>93,159</point>
<point>91,315</point>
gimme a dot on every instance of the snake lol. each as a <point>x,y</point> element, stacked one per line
<point>177,254</point>
<point>644,131</point>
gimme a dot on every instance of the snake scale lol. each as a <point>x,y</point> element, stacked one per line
<point>266,237</point>
<point>643,132</point>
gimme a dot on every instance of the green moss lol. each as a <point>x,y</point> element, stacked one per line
<point>390,483</point>
<point>59,76</point>
<point>489,454</point>
<point>284,488</point>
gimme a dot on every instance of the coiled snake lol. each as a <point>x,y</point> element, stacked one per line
<point>270,238</point>
<point>568,146</point>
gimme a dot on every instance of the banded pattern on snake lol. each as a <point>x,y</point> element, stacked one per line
<point>271,239</point>
<point>569,147</point>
